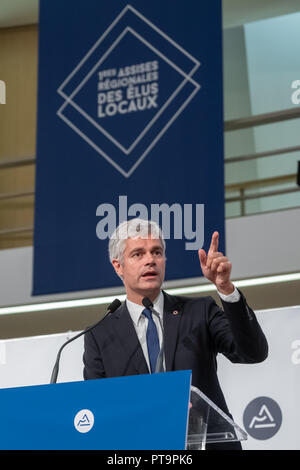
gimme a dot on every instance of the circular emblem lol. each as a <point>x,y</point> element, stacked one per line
<point>84,421</point>
<point>262,418</point>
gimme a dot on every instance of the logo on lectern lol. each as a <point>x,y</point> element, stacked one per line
<point>84,421</point>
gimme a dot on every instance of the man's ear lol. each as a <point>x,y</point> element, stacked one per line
<point>118,267</point>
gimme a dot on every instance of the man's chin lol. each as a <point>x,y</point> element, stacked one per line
<point>150,286</point>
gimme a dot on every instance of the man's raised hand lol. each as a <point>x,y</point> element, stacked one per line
<point>216,267</point>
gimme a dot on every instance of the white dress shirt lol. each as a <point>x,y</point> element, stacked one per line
<point>233,297</point>
<point>141,322</point>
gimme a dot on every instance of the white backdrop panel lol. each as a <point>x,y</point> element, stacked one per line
<point>278,378</point>
<point>29,361</point>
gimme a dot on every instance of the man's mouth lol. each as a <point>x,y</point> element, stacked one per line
<point>149,275</point>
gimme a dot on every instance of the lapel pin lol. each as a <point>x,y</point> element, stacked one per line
<point>175,312</point>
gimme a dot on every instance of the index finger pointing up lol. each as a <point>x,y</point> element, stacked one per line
<point>214,244</point>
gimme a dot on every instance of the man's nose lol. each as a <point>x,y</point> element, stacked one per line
<point>149,259</point>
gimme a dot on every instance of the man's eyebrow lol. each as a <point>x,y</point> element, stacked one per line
<point>158,247</point>
<point>134,250</point>
<point>139,249</point>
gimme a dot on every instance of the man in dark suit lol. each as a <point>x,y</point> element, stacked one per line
<point>192,330</point>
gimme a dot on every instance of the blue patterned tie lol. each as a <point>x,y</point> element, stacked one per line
<point>152,339</point>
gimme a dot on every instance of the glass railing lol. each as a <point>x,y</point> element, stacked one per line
<point>263,181</point>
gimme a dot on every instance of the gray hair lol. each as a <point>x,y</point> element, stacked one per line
<point>134,228</point>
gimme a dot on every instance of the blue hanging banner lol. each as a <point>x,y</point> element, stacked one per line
<point>130,124</point>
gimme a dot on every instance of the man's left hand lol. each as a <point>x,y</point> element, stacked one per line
<point>216,267</point>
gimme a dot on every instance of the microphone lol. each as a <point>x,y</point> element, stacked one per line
<point>147,303</point>
<point>111,308</point>
<point>159,363</point>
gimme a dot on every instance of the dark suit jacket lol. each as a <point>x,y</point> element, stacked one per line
<point>192,338</point>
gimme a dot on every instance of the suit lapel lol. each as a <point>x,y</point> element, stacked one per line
<point>124,329</point>
<point>172,315</point>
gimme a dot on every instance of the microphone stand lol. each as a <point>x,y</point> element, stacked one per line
<point>111,308</point>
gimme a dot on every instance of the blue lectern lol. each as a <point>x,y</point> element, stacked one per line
<point>144,412</point>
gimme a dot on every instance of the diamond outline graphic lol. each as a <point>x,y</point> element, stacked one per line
<point>69,99</point>
<point>107,31</point>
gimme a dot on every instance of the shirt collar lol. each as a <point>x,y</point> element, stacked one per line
<point>135,310</point>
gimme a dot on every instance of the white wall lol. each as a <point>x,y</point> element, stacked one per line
<point>257,245</point>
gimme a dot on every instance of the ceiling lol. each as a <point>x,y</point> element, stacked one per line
<point>235,12</point>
